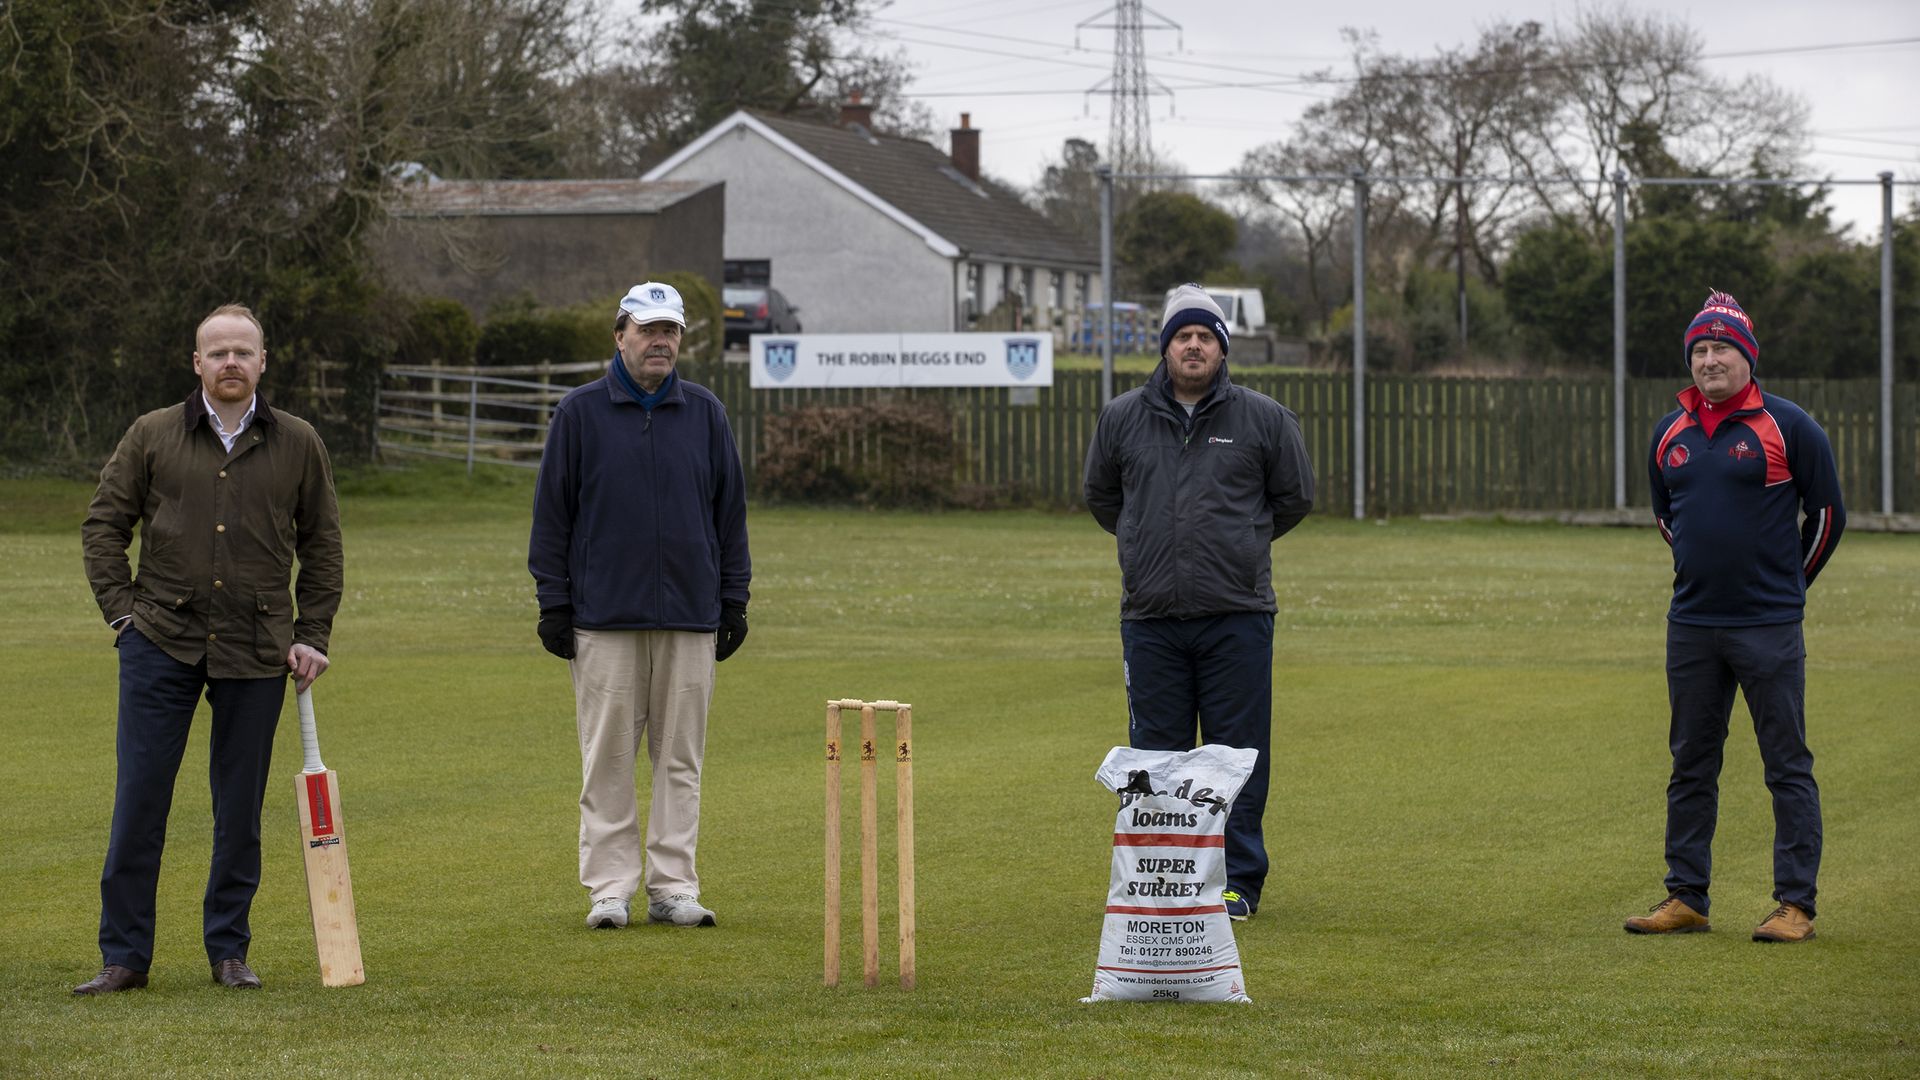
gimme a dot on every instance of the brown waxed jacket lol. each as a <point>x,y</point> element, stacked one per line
<point>219,532</point>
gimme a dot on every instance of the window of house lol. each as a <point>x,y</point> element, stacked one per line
<point>1056,290</point>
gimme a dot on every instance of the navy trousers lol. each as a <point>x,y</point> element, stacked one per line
<point>1768,665</point>
<point>157,699</point>
<point>1216,672</point>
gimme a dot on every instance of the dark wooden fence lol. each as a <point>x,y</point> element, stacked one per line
<point>1434,445</point>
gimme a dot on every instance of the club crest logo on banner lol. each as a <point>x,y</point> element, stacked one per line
<point>781,359</point>
<point>1023,358</point>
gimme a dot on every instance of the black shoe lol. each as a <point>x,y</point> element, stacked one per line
<point>112,979</point>
<point>1239,908</point>
<point>233,972</point>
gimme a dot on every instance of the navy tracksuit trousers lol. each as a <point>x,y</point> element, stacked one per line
<point>158,695</point>
<point>1768,664</point>
<point>1216,671</point>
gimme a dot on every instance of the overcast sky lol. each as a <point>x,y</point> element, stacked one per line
<point>1013,65</point>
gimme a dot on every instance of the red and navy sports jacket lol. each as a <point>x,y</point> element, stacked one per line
<point>1730,507</point>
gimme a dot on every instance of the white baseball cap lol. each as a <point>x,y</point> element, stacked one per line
<point>654,301</point>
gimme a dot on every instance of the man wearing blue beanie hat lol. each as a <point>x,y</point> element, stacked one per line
<point>1746,493</point>
<point>1189,305</point>
<point>1196,476</point>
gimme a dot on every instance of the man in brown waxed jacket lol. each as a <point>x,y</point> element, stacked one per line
<point>227,491</point>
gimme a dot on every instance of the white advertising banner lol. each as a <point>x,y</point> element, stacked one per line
<point>811,360</point>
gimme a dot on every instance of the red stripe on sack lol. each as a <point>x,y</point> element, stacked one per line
<point>1210,909</point>
<point>1168,971</point>
<point>319,806</point>
<point>1166,839</point>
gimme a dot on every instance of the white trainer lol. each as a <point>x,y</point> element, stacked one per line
<point>608,913</point>
<point>680,909</point>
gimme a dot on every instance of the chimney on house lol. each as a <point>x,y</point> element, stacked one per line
<point>966,148</point>
<point>856,112</point>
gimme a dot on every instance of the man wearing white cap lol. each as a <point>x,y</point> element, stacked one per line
<point>1196,477</point>
<point>639,557</point>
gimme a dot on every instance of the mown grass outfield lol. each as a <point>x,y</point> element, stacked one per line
<point>1468,795</point>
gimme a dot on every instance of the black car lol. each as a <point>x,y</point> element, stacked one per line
<point>756,309</point>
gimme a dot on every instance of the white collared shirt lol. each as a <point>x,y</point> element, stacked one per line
<point>227,439</point>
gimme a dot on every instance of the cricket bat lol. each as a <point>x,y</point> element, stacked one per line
<point>323,842</point>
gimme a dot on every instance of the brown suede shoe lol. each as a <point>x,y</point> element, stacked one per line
<point>1787,923</point>
<point>233,972</point>
<point>112,979</point>
<point>1669,916</point>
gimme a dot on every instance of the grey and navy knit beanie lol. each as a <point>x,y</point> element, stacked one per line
<point>1189,305</point>
<point>1722,319</point>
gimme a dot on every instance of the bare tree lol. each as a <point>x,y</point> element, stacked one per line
<point>1359,129</point>
<point>1614,90</point>
<point>1633,93</point>
<point>1317,211</point>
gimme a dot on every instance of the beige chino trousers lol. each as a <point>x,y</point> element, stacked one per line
<point>628,684</point>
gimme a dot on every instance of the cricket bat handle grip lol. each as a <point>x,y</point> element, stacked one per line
<point>309,735</point>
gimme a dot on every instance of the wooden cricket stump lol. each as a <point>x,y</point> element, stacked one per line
<point>869,842</point>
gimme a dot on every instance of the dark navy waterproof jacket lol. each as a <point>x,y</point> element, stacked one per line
<point>1195,501</point>
<point>640,516</point>
<point>1731,508</point>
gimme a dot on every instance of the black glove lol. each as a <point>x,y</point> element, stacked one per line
<point>733,630</point>
<point>556,631</point>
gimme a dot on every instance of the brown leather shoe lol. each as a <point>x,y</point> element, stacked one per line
<point>1787,923</point>
<point>1669,916</point>
<point>233,972</point>
<point>112,979</point>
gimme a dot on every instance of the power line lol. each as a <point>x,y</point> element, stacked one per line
<point>999,52</point>
<point>1864,139</point>
<point>1293,81</point>
<point>1188,82</point>
<point>1162,58</point>
<point>1882,127</point>
<point>1882,158</point>
<point>1018,40</point>
<point>979,10</point>
<point>1570,66</point>
<point>1787,50</point>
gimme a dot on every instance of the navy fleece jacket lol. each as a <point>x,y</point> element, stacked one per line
<point>1731,508</point>
<point>640,515</point>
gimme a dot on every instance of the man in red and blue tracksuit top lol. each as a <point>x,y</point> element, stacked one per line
<point>1746,494</point>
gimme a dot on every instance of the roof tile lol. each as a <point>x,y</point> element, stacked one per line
<point>527,198</point>
<point>983,219</point>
